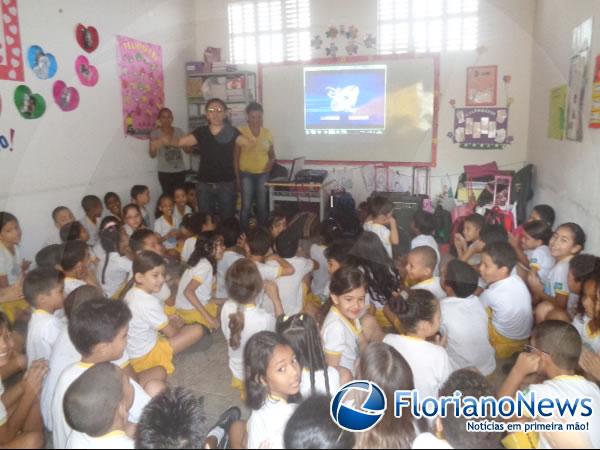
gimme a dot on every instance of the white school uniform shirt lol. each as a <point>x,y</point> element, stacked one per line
<point>429,362</point>
<point>3,412</point>
<point>64,354</point>
<point>321,276</point>
<point>290,287</point>
<point>54,237</point>
<point>188,248</point>
<point>92,229</point>
<point>178,216</point>
<point>10,265</point>
<point>475,260</point>
<point>432,285</point>
<point>203,274</point>
<point>542,261</point>
<point>465,323</point>
<point>588,339</point>
<point>269,271</point>
<point>341,338</point>
<point>510,302</point>
<point>383,233</point>
<point>146,217</point>
<point>61,429</point>
<point>557,282</point>
<point>320,386</point>
<point>429,241</point>
<point>148,318</point>
<point>71,284</point>
<point>256,319</point>
<point>114,440</point>
<point>229,257</point>
<point>163,227</point>
<point>425,441</point>
<point>567,387</point>
<point>267,425</point>
<point>42,333</point>
<point>117,273</point>
<point>128,230</point>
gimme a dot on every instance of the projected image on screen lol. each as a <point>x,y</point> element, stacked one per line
<point>345,99</point>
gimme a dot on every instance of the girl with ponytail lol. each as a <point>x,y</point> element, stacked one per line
<point>241,318</point>
<point>113,269</point>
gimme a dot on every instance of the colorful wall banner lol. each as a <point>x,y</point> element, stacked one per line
<point>595,116</point>
<point>557,112</point>
<point>142,85</point>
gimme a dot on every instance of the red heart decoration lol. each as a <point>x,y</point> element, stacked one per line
<point>87,37</point>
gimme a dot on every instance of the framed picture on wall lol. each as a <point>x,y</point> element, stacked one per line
<point>481,85</point>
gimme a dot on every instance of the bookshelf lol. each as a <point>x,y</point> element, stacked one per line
<point>235,88</point>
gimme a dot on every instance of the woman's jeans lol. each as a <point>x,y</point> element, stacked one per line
<point>254,190</point>
<point>217,198</point>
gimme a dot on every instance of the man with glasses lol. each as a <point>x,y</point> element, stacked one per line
<point>216,190</point>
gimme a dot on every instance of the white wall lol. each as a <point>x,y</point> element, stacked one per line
<point>567,172</point>
<point>506,28</point>
<point>61,157</point>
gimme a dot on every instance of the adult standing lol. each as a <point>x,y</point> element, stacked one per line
<point>253,165</point>
<point>216,190</point>
<point>163,145</point>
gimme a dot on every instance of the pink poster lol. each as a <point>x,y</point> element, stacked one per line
<point>142,85</point>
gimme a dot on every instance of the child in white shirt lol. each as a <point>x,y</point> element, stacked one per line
<point>532,249</point>
<point>242,318</point>
<point>194,301</point>
<point>113,270</point>
<point>382,222</point>
<point>466,243</point>
<point>132,217</point>
<point>61,216</point>
<point>196,224</point>
<point>588,322</point>
<point>166,225</point>
<point>94,427</point>
<point>231,233</point>
<point>420,317</point>
<point>420,266</point>
<point>140,196</point>
<point>75,264</point>
<point>508,300</point>
<point>291,287</point>
<point>423,226</point>
<point>44,290</point>
<point>181,207</point>
<point>465,321</point>
<point>269,395</point>
<point>92,205</point>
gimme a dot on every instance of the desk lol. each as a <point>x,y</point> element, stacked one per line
<point>299,193</point>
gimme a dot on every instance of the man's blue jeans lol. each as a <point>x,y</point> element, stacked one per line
<point>254,190</point>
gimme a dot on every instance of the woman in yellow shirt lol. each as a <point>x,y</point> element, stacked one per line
<point>253,165</point>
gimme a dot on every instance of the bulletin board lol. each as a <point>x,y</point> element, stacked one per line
<point>411,125</point>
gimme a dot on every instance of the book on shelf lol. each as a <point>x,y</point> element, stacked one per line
<point>194,87</point>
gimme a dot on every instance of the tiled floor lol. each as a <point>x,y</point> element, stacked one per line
<point>205,372</point>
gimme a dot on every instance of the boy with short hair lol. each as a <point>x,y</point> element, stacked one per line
<point>74,263</point>
<point>422,226</point>
<point>554,354</point>
<point>92,206</point>
<point>508,300</point>
<point>140,195</point>
<point>291,286</point>
<point>465,321</point>
<point>61,216</point>
<point>44,291</point>
<point>98,329</point>
<point>420,266</point>
<point>97,427</point>
<point>382,222</point>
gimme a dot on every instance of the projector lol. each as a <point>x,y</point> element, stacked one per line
<point>311,176</point>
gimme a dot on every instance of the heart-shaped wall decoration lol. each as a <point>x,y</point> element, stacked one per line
<point>87,37</point>
<point>29,105</point>
<point>67,98</point>
<point>43,64</point>
<point>88,74</point>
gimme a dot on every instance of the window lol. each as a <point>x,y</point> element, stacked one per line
<point>269,31</point>
<point>427,25</point>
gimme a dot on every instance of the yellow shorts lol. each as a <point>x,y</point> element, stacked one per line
<point>382,320</point>
<point>12,309</point>
<point>160,356</point>
<point>191,316</point>
<point>504,346</point>
<point>240,386</point>
<point>312,299</point>
<point>521,440</point>
<point>170,310</point>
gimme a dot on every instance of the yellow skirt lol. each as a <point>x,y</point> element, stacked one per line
<point>13,308</point>
<point>312,299</point>
<point>240,386</point>
<point>504,346</point>
<point>382,320</point>
<point>170,310</point>
<point>160,356</point>
<point>191,316</point>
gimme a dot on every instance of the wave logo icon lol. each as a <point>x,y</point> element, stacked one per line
<point>367,415</point>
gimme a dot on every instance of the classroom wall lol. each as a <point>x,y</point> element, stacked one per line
<point>567,172</point>
<point>506,29</point>
<point>60,157</point>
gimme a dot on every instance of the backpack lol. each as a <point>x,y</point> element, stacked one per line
<point>498,216</point>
